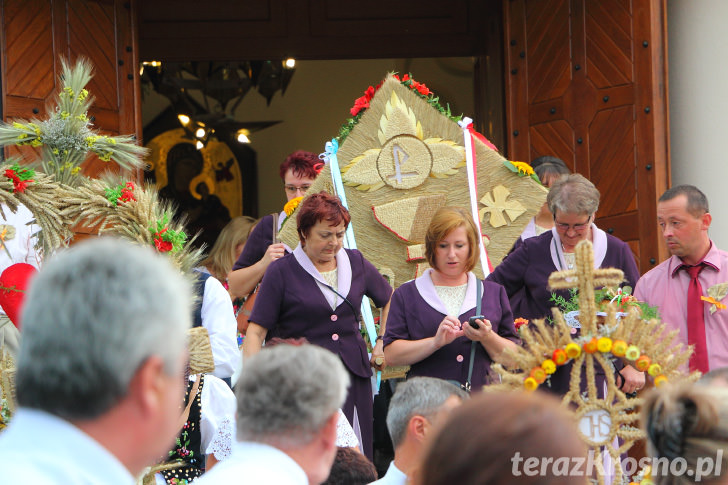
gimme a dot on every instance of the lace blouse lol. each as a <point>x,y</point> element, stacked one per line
<point>332,278</point>
<point>453,297</point>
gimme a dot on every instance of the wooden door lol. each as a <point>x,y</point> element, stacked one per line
<point>586,81</point>
<point>36,33</point>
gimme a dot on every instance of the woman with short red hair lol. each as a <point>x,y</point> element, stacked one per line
<point>298,172</point>
<point>316,293</point>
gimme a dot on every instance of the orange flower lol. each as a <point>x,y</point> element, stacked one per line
<point>642,363</point>
<point>519,322</point>
<point>619,348</point>
<point>538,374</point>
<point>591,346</point>
<point>559,356</point>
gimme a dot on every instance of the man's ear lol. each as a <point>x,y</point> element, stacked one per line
<point>706,219</point>
<point>147,386</point>
<point>328,433</point>
<point>418,427</point>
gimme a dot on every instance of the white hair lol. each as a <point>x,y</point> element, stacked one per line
<point>93,315</point>
<point>287,393</point>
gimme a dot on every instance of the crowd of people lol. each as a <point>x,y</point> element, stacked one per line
<point>106,393</point>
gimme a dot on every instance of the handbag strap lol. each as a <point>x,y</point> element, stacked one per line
<point>275,228</point>
<point>478,300</point>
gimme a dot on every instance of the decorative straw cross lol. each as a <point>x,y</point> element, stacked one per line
<point>585,278</point>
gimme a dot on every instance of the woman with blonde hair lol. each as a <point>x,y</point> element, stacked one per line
<point>429,324</point>
<point>687,433</point>
<point>228,246</point>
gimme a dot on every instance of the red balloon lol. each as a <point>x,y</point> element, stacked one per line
<point>14,282</point>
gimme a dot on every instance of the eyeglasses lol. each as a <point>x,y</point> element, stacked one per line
<point>576,227</point>
<point>292,189</point>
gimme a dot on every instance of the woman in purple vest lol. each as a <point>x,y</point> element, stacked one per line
<point>298,171</point>
<point>573,200</point>
<point>428,324</point>
<point>316,293</point>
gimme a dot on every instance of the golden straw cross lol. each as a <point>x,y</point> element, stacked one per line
<point>585,278</point>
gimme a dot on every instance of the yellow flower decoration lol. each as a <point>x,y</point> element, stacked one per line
<point>523,167</point>
<point>632,353</point>
<point>530,384</point>
<point>291,205</point>
<point>604,344</point>
<point>572,350</point>
<point>496,204</point>
<point>549,366</point>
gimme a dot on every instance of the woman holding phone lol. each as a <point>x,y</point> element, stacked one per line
<point>429,325</point>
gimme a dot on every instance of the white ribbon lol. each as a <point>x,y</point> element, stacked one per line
<point>473,189</point>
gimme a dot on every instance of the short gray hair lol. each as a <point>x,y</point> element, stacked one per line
<point>287,393</point>
<point>419,396</point>
<point>94,314</point>
<point>573,194</point>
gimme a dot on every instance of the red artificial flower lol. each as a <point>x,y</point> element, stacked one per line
<point>126,193</point>
<point>421,88</point>
<point>519,322</point>
<point>10,173</point>
<point>359,104</point>
<point>396,76</point>
<point>405,78</point>
<point>369,93</point>
<point>20,185</point>
<point>162,245</point>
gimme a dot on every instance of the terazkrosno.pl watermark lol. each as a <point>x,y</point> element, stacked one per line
<point>705,467</point>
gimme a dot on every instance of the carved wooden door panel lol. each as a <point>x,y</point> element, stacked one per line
<point>586,82</point>
<point>36,33</point>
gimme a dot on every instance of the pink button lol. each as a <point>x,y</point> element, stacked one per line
<point>459,358</point>
<point>335,337</point>
<point>334,318</point>
<point>573,331</point>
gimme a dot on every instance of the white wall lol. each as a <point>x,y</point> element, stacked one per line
<point>698,90</point>
<point>317,103</point>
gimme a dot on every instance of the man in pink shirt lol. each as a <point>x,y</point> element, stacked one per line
<point>683,216</point>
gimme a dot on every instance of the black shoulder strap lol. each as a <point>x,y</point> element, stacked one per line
<point>478,300</point>
<point>199,291</point>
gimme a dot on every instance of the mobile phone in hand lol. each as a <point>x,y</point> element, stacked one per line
<point>472,320</point>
